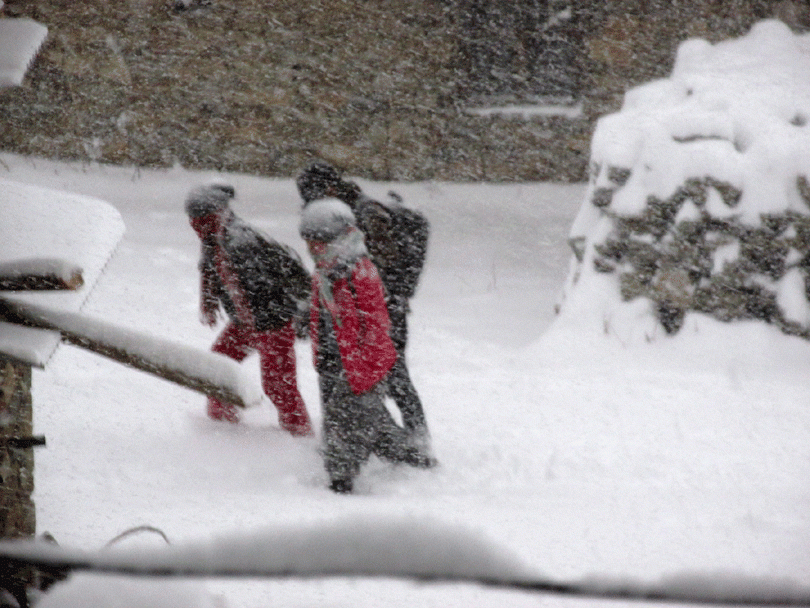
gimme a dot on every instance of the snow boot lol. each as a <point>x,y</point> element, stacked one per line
<point>419,439</point>
<point>417,459</point>
<point>341,486</point>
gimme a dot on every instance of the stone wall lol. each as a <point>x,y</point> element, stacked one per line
<point>378,87</point>
<point>708,262</point>
<point>699,194</point>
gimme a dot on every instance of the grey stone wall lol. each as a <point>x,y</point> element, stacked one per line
<point>723,267</point>
<point>377,87</point>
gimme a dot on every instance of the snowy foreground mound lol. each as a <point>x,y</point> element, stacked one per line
<point>699,197</point>
<point>429,551</point>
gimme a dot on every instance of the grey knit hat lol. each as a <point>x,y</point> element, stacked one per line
<point>208,198</point>
<point>325,219</point>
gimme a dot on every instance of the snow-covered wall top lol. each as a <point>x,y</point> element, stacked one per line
<point>20,40</point>
<point>699,189</point>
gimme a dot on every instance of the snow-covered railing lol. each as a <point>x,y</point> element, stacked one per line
<point>203,371</point>
<point>40,274</point>
<point>55,240</point>
<point>422,551</point>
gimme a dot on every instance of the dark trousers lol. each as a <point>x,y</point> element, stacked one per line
<point>356,426</point>
<point>400,386</point>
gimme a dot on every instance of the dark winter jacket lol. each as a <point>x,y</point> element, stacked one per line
<point>270,276</point>
<point>396,238</point>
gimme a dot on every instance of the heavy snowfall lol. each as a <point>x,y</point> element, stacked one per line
<point>574,446</point>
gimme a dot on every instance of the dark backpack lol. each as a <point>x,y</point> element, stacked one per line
<point>409,231</point>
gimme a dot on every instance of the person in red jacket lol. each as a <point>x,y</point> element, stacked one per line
<point>263,286</point>
<point>396,239</point>
<point>352,349</point>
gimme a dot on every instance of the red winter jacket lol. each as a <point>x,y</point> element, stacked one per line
<point>361,327</point>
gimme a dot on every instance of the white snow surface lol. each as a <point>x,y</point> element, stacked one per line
<point>685,459</point>
<point>576,451</point>
<point>569,111</point>
<point>45,230</point>
<point>20,40</point>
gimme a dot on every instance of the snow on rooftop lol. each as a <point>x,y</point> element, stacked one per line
<point>20,40</point>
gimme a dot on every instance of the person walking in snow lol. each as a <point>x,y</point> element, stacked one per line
<point>263,287</point>
<point>396,238</point>
<point>351,346</point>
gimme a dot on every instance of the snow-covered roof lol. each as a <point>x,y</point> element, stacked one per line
<point>20,40</point>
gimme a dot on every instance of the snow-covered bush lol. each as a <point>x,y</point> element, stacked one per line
<point>699,193</point>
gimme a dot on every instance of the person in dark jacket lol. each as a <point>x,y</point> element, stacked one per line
<point>352,348</point>
<point>263,287</point>
<point>374,219</point>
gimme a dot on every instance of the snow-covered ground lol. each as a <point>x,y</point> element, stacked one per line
<point>566,450</point>
<point>575,454</point>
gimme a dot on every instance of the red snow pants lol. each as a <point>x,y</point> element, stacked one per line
<point>279,381</point>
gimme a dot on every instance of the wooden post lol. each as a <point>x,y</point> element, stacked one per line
<point>17,515</point>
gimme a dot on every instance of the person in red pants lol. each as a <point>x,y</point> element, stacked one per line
<point>264,288</point>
